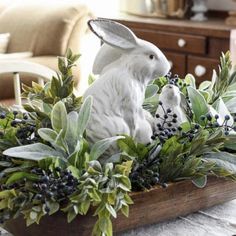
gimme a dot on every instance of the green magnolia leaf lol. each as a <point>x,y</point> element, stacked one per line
<point>199,104</point>
<point>35,152</point>
<point>3,204</point>
<point>8,194</point>
<point>21,175</point>
<point>59,117</point>
<point>105,225</point>
<point>111,210</point>
<point>125,210</point>
<point>132,148</point>
<point>84,115</point>
<point>200,182</point>
<point>84,207</point>
<point>71,215</point>
<point>53,206</point>
<point>151,90</point>
<point>101,146</point>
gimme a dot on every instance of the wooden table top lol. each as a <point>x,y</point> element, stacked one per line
<point>212,27</point>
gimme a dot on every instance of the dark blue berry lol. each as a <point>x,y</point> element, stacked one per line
<point>47,209</point>
<point>226,133</point>
<point>202,118</point>
<point>227,117</point>
<point>44,186</point>
<point>2,115</point>
<point>15,113</point>
<point>13,123</point>
<point>45,179</point>
<point>174,120</point>
<point>209,117</point>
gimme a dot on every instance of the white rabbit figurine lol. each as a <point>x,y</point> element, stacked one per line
<point>171,99</point>
<point>126,64</point>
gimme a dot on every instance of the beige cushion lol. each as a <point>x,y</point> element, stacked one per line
<point>15,56</point>
<point>4,40</point>
<point>44,29</point>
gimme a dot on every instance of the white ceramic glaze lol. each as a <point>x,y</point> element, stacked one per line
<point>126,64</point>
<point>171,98</point>
<point>199,9</point>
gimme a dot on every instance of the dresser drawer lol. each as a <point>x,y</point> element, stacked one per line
<point>217,46</point>
<point>178,63</point>
<point>177,42</point>
<point>201,68</point>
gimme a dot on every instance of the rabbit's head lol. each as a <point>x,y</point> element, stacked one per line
<point>142,58</point>
<point>170,94</point>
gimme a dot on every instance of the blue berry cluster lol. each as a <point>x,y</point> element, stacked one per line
<point>175,80</point>
<point>57,186</point>
<point>211,123</point>
<point>54,185</point>
<point>25,128</point>
<point>167,127</point>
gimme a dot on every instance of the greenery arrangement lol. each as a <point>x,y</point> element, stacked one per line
<point>47,165</point>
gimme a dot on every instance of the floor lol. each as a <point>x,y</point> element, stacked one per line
<point>216,221</point>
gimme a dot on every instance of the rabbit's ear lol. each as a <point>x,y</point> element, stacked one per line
<point>113,33</point>
<point>105,56</point>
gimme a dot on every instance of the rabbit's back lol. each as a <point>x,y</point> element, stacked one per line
<point>117,104</point>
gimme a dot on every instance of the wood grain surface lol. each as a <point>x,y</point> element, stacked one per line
<point>157,205</point>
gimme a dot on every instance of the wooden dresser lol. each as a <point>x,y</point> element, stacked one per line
<point>191,47</point>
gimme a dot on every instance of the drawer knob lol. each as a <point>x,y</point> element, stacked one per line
<point>171,64</point>
<point>200,70</point>
<point>181,43</point>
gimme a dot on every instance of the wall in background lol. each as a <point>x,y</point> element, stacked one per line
<point>221,4</point>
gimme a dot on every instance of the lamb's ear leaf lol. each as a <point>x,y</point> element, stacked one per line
<point>113,33</point>
<point>59,117</point>
<point>102,145</point>
<point>35,152</point>
<point>84,115</point>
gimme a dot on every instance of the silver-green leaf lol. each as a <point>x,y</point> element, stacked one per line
<point>35,152</point>
<point>59,117</point>
<point>102,145</point>
<point>84,115</point>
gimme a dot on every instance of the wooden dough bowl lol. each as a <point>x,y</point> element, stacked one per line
<point>157,205</point>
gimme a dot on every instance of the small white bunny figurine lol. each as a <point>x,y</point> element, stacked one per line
<point>126,64</point>
<point>172,104</point>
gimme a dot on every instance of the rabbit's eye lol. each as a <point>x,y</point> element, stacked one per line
<point>151,56</point>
